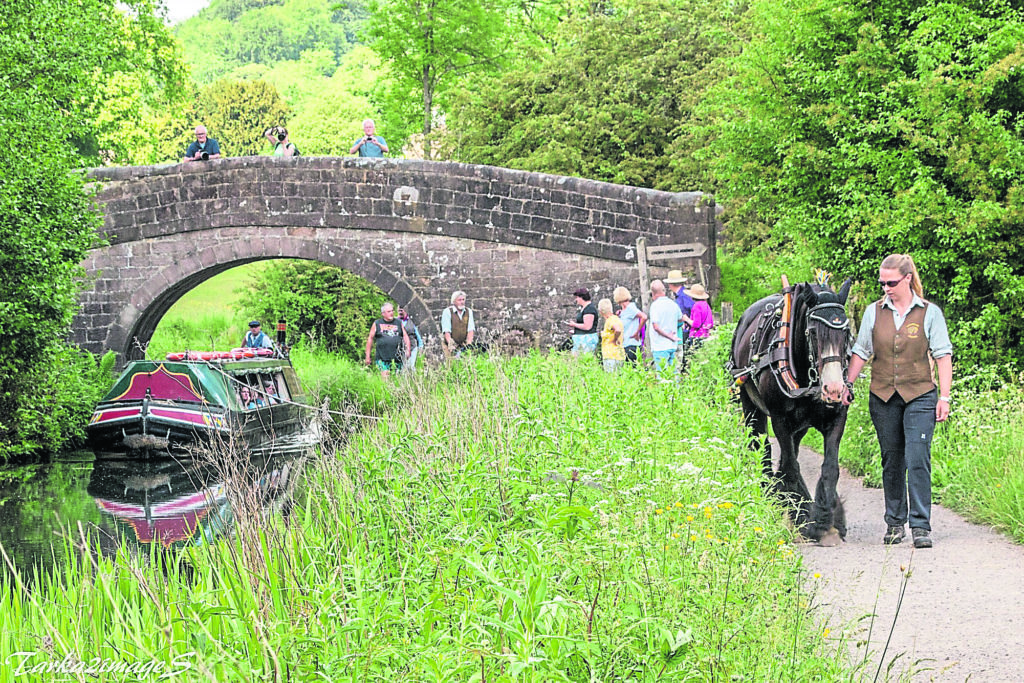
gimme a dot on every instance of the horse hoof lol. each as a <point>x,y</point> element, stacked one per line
<point>831,539</point>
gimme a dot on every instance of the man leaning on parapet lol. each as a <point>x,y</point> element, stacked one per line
<point>371,144</point>
<point>203,148</point>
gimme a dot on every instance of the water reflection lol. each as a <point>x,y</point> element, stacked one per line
<point>159,503</point>
<point>178,503</point>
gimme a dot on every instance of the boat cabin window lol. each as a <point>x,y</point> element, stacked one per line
<point>257,390</point>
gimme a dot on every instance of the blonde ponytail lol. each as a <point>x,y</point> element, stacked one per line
<point>904,264</point>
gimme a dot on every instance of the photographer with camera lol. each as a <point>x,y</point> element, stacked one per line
<point>369,145</point>
<point>278,136</point>
<point>204,148</point>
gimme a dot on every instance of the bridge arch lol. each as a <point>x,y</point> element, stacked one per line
<point>151,301</point>
<point>516,242</point>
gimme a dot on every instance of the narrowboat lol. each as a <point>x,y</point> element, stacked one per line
<point>191,399</point>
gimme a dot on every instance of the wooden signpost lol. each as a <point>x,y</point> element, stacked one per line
<point>665,252</point>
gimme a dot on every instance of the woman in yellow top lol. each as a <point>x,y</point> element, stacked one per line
<point>612,352</point>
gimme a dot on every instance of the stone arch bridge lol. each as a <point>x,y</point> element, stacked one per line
<point>518,243</point>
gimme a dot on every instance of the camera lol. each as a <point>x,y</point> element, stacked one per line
<point>205,156</point>
<point>281,136</point>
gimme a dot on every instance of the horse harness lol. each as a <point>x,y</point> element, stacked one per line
<point>771,344</point>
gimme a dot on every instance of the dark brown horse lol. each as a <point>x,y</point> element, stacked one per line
<point>789,357</point>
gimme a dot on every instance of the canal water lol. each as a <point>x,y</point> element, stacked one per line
<point>117,500</point>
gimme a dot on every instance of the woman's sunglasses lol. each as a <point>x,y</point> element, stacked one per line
<point>891,283</point>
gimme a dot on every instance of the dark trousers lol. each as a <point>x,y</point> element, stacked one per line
<point>631,354</point>
<point>905,436</point>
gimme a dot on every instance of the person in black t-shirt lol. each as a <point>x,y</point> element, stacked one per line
<point>388,333</point>
<point>584,328</point>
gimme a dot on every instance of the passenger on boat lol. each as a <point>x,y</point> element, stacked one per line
<point>271,390</point>
<point>256,338</point>
<point>246,397</point>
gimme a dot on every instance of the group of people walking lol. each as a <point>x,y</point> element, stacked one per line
<point>395,343</point>
<point>673,328</point>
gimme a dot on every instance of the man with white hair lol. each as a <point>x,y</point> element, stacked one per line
<point>664,320</point>
<point>371,144</point>
<point>457,325</point>
<point>203,148</point>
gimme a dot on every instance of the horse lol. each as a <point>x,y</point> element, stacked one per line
<point>789,357</point>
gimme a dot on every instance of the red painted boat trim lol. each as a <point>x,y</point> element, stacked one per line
<point>113,415</point>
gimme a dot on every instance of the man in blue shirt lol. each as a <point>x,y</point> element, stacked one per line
<point>203,145</point>
<point>256,338</point>
<point>370,145</point>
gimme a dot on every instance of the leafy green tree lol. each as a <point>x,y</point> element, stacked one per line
<point>52,55</point>
<point>230,34</point>
<point>426,44</point>
<point>327,306</point>
<point>614,99</point>
<point>869,129</point>
<point>237,112</point>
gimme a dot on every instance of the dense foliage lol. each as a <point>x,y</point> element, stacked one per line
<point>54,63</point>
<point>613,99</point>
<point>305,49</point>
<point>230,34</point>
<point>326,306</point>
<point>869,129</point>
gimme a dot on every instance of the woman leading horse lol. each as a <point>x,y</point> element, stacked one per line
<point>905,334</point>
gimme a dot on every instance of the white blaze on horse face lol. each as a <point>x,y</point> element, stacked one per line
<point>831,377</point>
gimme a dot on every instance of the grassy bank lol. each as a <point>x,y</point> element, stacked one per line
<point>977,454</point>
<point>529,519</point>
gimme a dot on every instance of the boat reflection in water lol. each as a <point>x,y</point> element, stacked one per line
<point>179,502</point>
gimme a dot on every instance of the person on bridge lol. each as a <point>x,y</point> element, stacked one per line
<point>391,339</point>
<point>278,137</point>
<point>457,326</point>
<point>905,333</point>
<point>371,144</point>
<point>256,338</point>
<point>203,148</point>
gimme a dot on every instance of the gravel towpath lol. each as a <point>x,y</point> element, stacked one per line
<point>962,612</point>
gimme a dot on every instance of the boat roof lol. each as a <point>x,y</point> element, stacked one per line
<point>202,381</point>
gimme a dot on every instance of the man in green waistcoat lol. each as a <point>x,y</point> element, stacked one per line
<point>905,334</point>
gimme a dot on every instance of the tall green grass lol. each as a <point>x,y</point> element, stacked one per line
<point>977,454</point>
<point>528,519</point>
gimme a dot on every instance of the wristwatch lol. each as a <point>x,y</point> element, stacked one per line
<point>944,398</point>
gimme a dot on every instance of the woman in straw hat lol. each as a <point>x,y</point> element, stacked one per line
<point>701,319</point>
